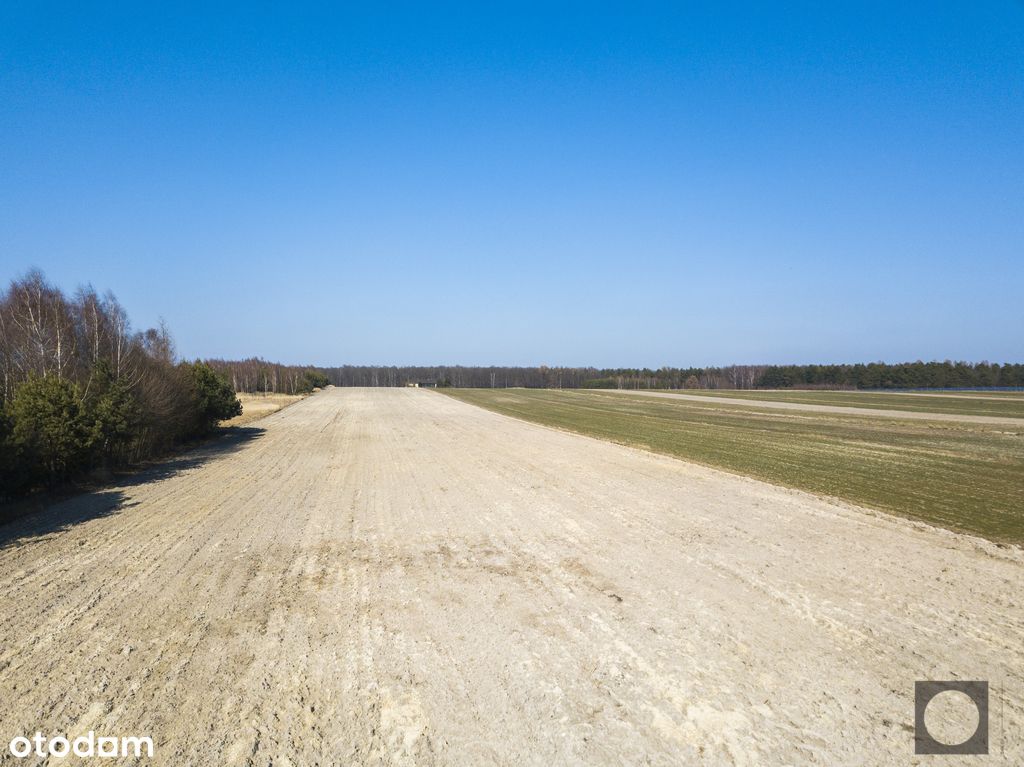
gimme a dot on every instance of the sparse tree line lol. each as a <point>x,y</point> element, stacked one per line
<point>257,375</point>
<point>80,390</point>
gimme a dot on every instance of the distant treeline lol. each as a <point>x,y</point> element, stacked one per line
<point>80,390</point>
<point>905,375</point>
<point>256,375</point>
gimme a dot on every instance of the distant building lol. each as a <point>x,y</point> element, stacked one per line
<point>421,384</point>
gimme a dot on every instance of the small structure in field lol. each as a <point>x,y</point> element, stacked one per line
<point>421,384</point>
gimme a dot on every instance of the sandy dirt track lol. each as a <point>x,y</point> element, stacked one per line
<point>394,577</point>
<point>913,415</point>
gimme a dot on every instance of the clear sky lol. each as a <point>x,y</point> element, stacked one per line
<point>609,184</point>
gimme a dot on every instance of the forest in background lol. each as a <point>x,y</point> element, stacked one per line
<point>257,375</point>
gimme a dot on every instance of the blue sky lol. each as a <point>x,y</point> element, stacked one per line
<point>609,184</point>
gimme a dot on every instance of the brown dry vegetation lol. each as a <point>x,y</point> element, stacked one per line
<point>256,406</point>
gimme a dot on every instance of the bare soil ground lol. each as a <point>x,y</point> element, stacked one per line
<point>394,577</point>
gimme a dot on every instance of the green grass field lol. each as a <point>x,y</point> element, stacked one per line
<point>963,476</point>
<point>1008,404</point>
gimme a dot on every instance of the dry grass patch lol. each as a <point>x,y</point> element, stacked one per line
<point>989,404</point>
<point>256,406</point>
